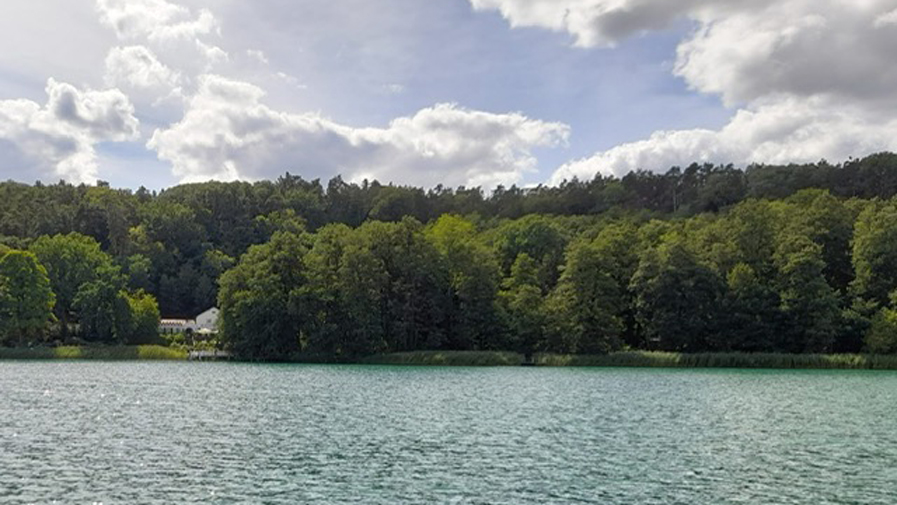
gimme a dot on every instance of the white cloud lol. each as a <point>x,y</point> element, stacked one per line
<point>888,18</point>
<point>798,47</point>
<point>601,22</point>
<point>808,78</point>
<point>289,79</point>
<point>258,55</point>
<point>394,89</point>
<point>782,131</point>
<point>138,67</point>
<point>742,49</point>
<point>58,139</point>
<point>174,33</point>
<point>156,20</point>
<point>228,133</point>
<point>212,53</point>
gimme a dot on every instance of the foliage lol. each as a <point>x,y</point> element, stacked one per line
<point>808,301</point>
<point>752,311</point>
<point>521,301</point>
<point>72,261</point>
<point>702,258</point>
<point>26,301</point>
<point>875,252</point>
<point>677,299</point>
<point>257,320</point>
<point>143,318</point>
<point>104,313</point>
<point>882,335</point>
<point>473,277</point>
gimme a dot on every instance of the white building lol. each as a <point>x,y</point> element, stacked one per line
<point>171,326</point>
<point>206,322</point>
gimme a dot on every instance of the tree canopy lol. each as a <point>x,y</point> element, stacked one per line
<point>796,258</point>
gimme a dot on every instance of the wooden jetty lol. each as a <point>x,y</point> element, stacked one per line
<point>208,355</point>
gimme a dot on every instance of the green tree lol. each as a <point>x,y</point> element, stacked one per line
<point>592,294</point>
<point>751,228</point>
<point>103,312</point>
<point>522,304</point>
<point>26,300</point>
<point>414,286</point>
<point>752,317</point>
<point>828,222</point>
<point>540,238</point>
<point>875,252</point>
<point>175,225</point>
<point>138,269</point>
<point>71,261</point>
<point>142,324</point>
<point>258,320</point>
<point>882,336</point>
<point>809,304</point>
<point>474,276</point>
<point>340,301</point>
<point>106,215</point>
<point>678,301</point>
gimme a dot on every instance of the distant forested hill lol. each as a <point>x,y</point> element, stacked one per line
<point>798,258</point>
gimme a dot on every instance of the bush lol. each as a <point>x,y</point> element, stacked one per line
<point>882,337</point>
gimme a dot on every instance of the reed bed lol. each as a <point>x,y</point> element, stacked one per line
<point>646,359</point>
<point>446,358</point>
<point>724,360</point>
<point>109,353</point>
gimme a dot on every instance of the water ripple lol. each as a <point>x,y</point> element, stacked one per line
<point>223,433</point>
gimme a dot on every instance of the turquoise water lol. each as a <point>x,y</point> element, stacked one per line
<point>82,432</point>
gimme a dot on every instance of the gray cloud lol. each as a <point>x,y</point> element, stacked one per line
<point>809,78</point>
<point>57,140</point>
<point>607,22</point>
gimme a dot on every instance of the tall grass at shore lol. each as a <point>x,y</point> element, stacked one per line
<point>643,359</point>
<point>110,353</point>
<point>724,360</point>
<point>446,358</point>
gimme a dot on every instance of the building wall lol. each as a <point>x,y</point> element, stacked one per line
<point>208,319</point>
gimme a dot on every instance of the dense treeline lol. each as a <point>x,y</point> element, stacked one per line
<point>696,259</point>
<point>65,287</point>
<point>782,276</point>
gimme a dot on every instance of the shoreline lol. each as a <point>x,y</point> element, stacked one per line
<point>622,359</point>
<point>645,359</point>
<point>98,353</point>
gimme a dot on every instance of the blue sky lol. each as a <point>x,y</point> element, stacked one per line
<point>472,92</point>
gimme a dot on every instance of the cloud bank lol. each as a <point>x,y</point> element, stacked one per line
<point>228,133</point>
<point>808,79</point>
<point>801,79</point>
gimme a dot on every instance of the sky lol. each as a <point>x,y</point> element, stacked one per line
<point>425,92</point>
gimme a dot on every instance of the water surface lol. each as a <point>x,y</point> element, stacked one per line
<point>154,433</point>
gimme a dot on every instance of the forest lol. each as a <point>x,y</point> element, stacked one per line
<point>706,258</point>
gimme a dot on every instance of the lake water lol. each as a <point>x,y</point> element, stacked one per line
<point>153,433</point>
